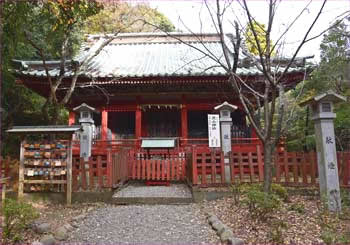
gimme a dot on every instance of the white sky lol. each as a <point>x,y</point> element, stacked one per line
<point>195,16</point>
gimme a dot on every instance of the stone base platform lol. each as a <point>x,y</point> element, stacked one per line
<point>139,193</point>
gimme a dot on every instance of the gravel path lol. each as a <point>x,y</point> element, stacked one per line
<point>174,190</point>
<point>144,224</point>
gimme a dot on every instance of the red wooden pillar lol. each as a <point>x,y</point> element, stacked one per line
<point>104,125</point>
<point>138,122</point>
<point>184,127</point>
<point>71,119</point>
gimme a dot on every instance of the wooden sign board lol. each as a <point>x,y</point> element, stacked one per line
<point>214,130</point>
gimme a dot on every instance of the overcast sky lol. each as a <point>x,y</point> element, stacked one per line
<point>195,16</point>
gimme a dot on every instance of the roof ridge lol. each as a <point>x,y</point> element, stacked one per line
<point>153,34</point>
<point>154,43</point>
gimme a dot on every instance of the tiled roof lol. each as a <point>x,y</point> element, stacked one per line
<point>149,59</point>
<point>45,129</point>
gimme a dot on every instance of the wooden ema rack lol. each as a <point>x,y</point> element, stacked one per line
<point>45,166</point>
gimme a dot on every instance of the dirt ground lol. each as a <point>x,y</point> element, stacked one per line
<point>300,220</point>
<point>56,215</point>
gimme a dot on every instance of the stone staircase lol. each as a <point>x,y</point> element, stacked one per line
<point>139,193</point>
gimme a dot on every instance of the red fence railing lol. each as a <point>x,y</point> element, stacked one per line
<point>207,168</point>
<point>161,167</point>
<point>119,172</point>
<point>93,174</point>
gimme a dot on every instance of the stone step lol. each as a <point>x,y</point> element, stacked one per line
<point>151,200</point>
<point>139,193</point>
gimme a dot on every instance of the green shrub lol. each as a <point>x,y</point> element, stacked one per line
<point>236,190</point>
<point>297,207</point>
<point>330,236</point>
<point>345,198</point>
<point>260,203</point>
<point>275,233</point>
<point>280,191</point>
<point>18,215</point>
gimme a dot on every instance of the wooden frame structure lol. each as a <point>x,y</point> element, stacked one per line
<point>45,154</point>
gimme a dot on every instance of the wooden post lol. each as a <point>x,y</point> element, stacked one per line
<point>138,122</point>
<point>110,168</point>
<point>104,124</point>
<point>3,193</point>
<point>69,174</point>
<point>71,119</point>
<point>260,163</point>
<point>184,126</point>
<point>21,172</point>
<point>194,166</point>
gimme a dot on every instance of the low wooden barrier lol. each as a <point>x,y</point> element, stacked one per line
<point>200,166</point>
<point>10,168</point>
<point>119,172</point>
<point>207,167</point>
<point>3,182</point>
<point>289,168</point>
<point>162,167</point>
<point>93,174</point>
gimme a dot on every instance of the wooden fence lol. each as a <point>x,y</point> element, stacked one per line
<point>93,174</point>
<point>162,167</point>
<point>119,167</point>
<point>207,167</point>
<point>289,168</point>
<point>198,165</point>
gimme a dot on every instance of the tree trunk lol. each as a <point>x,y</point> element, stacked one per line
<point>268,164</point>
<point>306,132</point>
<point>55,113</point>
<point>45,111</point>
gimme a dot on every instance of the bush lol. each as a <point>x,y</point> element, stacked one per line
<point>280,191</point>
<point>236,190</point>
<point>330,236</point>
<point>275,233</point>
<point>297,207</point>
<point>345,198</point>
<point>260,203</point>
<point>18,215</point>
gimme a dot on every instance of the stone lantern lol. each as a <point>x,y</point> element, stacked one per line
<point>87,122</point>
<point>225,110</point>
<point>322,110</point>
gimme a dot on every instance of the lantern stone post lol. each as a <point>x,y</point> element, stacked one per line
<point>87,122</point>
<point>225,110</point>
<point>322,114</point>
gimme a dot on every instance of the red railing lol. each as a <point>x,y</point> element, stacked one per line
<point>201,165</point>
<point>207,168</point>
<point>93,174</point>
<point>119,172</point>
<point>161,166</point>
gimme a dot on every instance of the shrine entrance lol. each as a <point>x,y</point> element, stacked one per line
<point>162,122</point>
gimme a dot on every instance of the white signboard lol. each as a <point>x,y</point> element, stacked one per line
<point>214,130</point>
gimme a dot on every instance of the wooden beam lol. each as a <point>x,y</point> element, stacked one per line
<point>184,126</point>
<point>138,122</point>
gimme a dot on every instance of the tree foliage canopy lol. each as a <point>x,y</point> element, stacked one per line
<point>119,16</point>
<point>251,42</point>
<point>54,29</point>
<point>331,73</point>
